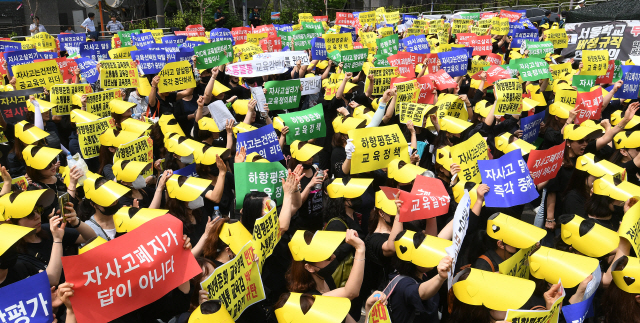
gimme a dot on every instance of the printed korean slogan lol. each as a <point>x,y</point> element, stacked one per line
<point>176,76</point>
<point>88,69</point>
<point>13,104</point>
<point>558,37</point>
<point>584,83</point>
<point>151,62</point>
<point>42,74</point>
<point>98,103</point>
<point>545,164</point>
<point>338,41</point>
<point>595,62</point>
<point>262,141</point>
<point>318,49</point>
<point>388,45</point>
<point>455,62</point>
<point>121,73</point>
<point>508,179</point>
<point>259,67</point>
<point>481,45</point>
<point>213,54</point>
<point>619,38</point>
<point>416,44</point>
<point>353,60</point>
<point>442,80</point>
<point>532,69</point>
<point>71,40</point>
<point>237,283</point>
<point>415,112</point>
<point>530,126</point>
<point>428,199</point>
<point>451,105</point>
<point>524,34</point>
<point>376,147</point>
<point>61,96</point>
<point>30,300</point>
<point>517,265</point>
<point>460,225</point>
<point>589,105</point>
<point>466,154</point>
<point>122,53</point>
<point>537,49</point>
<point>378,313</point>
<point>266,234</point>
<point>614,73</point>
<point>509,97</point>
<point>304,125</point>
<point>382,78</point>
<point>282,94</point>
<point>89,134</point>
<point>261,177</point>
<point>551,315</point>
<point>132,271</point>
<point>125,37</point>
<point>311,85</point>
<point>407,91</point>
<point>144,40</point>
<point>630,229</point>
<point>140,150</point>
<point>19,57</point>
<point>631,80</point>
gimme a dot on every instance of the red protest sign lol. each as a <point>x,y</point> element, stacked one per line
<point>269,29</point>
<point>513,16</point>
<point>495,73</point>
<point>465,38</point>
<point>442,80</point>
<point>494,59</point>
<point>240,34</point>
<point>345,19</point>
<point>426,90</point>
<point>116,41</point>
<point>545,164</point>
<point>488,15</point>
<point>406,58</point>
<point>589,105</point>
<point>321,18</point>
<point>432,63</point>
<point>357,45</point>
<point>130,271</point>
<point>428,199</point>
<point>607,78</point>
<point>3,70</point>
<point>197,28</point>
<point>481,45</point>
<point>272,41</point>
<point>66,66</point>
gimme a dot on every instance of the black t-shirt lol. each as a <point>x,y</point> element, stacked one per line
<point>377,267</point>
<point>166,105</point>
<point>574,204</point>
<point>484,265</point>
<point>18,272</point>
<point>226,201</point>
<point>633,172</point>
<point>42,250</point>
<point>309,216</point>
<point>405,303</point>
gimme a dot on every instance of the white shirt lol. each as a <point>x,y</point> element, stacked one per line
<point>89,24</point>
<point>141,103</point>
<point>39,30</point>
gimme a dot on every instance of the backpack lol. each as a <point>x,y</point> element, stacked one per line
<point>341,274</point>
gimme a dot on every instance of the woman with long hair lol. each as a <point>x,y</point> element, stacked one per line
<point>621,300</point>
<point>101,203</point>
<point>309,216</point>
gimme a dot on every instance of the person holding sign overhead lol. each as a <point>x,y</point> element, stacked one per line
<point>309,216</point>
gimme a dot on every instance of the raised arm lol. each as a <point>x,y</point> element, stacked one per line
<point>351,289</point>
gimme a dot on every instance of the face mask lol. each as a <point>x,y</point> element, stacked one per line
<point>187,159</point>
<point>9,258</point>
<point>110,210</point>
<point>356,203</point>
<point>139,183</point>
<point>205,79</point>
<point>196,204</point>
<point>305,166</point>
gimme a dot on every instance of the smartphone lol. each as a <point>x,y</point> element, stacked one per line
<point>62,200</point>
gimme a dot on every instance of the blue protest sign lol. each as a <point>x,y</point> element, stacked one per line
<point>101,49</point>
<point>220,34</point>
<point>578,312</point>
<point>19,57</point>
<point>189,170</point>
<point>630,79</point>
<point>190,44</point>
<point>513,26</point>
<point>508,179</point>
<point>530,126</point>
<point>169,49</point>
<point>150,61</point>
<point>71,40</point>
<point>47,55</point>
<point>416,44</point>
<point>318,49</point>
<point>285,27</point>
<point>28,300</point>
<point>88,69</point>
<point>408,19</point>
<point>184,56</point>
<point>142,41</point>
<point>7,46</point>
<point>262,141</point>
<point>522,34</point>
<point>520,11</point>
<point>455,62</point>
<point>353,31</point>
<point>176,40</point>
<point>356,14</point>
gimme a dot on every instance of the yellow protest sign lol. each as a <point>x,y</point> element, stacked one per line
<point>630,227</point>
<point>461,26</point>
<point>61,96</point>
<point>448,47</point>
<point>156,33</point>
<point>466,154</point>
<point>376,147</point>
<point>443,37</point>
<point>296,27</point>
<point>45,42</point>
<point>140,150</point>
<point>256,38</point>
<point>237,284</point>
<point>476,66</point>
<point>98,103</point>
<point>415,112</point>
<point>368,39</point>
<point>451,105</point>
<point>413,31</point>
<point>568,96</point>
<point>387,31</point>
<point>382,78</point>
<point>517,265</point>
<point>558,37</point>
<point>89,134</point>
<point>419,23</point>
<point>338,42</point>
<point>499,26</point>
<point>29,76</point>
<point>392,17</point>
<point>119,73</point>
<point>28,44</point>
<point>509,96</point>
<point>480,31</point>
<point>246,51</point>
<point>560,69</point>
<point>367,18</point>
<point>19,181</point>
<point>407,91</point>
<point>594,62</point>
<point>305,17</point>
<point>176,76</point>
<point>266,234</point>
<point>434,28</point>
<point>122,52</point>
<point>199,38</point>
<point>485,23</point>
<point>379,313</point>
<point>548,316</point>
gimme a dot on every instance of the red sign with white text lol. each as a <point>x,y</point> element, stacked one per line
<point>188,33</point>
<point>357,45</point>
<point>321,18</point>
<point>405,58</point>
<point>271,44</point>
<point>3,70</point>
<point>197,28</point>
<point>607,78</point>
<point>544,164</point>
<point>488,15</point>
<point>432,63</point>
<point>443,81</point>
<point>465,38</point>
<point>589,105</point>
<point>240,34</point>
<point>428,199</point>
<point>345,19</point>
<point>481,45</point>
<point>269,29</point>
<point>426,90</point>
<point>513,16</point>
<point>494,59</point>
<point>66,66</point>
<point>130,271</point>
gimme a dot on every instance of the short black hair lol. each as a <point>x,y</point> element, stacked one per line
<point>91,14</point>
<point>36,17</point>
<point>220,8</point>
<point>546,13</point>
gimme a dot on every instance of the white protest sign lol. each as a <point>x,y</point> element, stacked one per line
<point>220,114</point>
<point>256,67</point>
<point>311,85</point>
<point>258,94</point>
<point>460,225</point>
<point>290,58</point>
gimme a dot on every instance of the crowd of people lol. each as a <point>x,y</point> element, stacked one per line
<point>313,272</point>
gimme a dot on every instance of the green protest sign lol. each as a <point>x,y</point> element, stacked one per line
<point>317,26</point>
<point>388,45</point>
<point>286,36</point>
<point>262,177</point>
<point>282,94</point>
<point>335,56</point>
<point>213,54</point>
<point>305,124</point>
<point>302,38</point>
<point>353,59</point>
<point>531,69</point>
<point>381,61</point>
<point>537,49</point>
<point>617,72</point>
<point>584,83</point>
<point>125,37</point>
<point>471,15</point>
